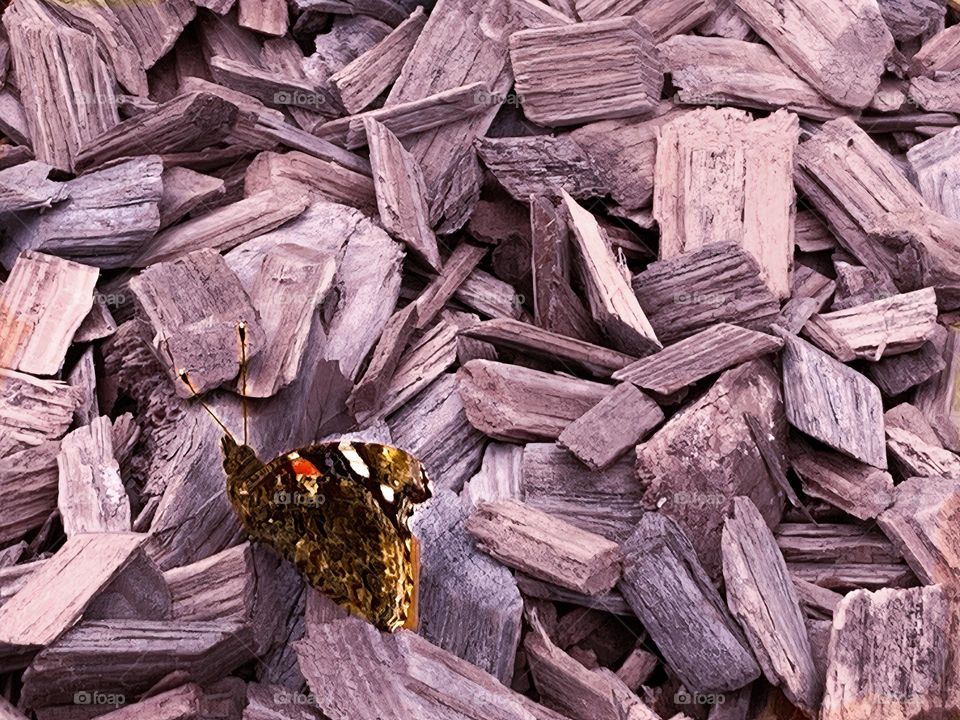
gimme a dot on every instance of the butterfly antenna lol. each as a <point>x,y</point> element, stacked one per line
<point>242,329</point>
<point>182,374</point>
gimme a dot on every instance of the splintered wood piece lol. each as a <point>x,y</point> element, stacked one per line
<point>225,227</point>
<point>128,657</point>
<point>541,165</point>
<point>938,93</point>
<point>184,191</point>
<point>362,80</point>
<point>289,288</point>
<point>189,122</point>
<point>663,17</point>
<point>468,603</point>
<point>276,89</point>
<point>833,403</point>
<point>556,307</point>
<point>606,502</point>
<point>706,455</point>
<point>895,375</point>
<point>611,427</point>
<point>612,302</point>
<point>66,88</point>
<point>27,187</point>
<point>33,410</point>
<point>896,629</point>
<point>434,427</point>
<point>404,676</point>
<point>108,218</point>
<point>580,693</point>
<point>762,597</point>
<point>914,456</point>
<point>193,307</point>
<point>92,497</point>
<point>938,399</point>
<point>856,488</point>
<point>529,339</point>
<point>567,75</point>
<point>369,392</point>
<point>266,16</point>
<point>82,568</point>
<point>498,477</point>
<point>723,177</point>
<point>864,195</point>
<point>840,50</point>
<point>707,353</point>
<point>721,71</point>
<point>546,547</point>
<point>920,525</point>
<point>887,327</point>
<point>320,179</point>
<point>401,194</point>
<point>42,305</point>
<point>937,169</point>
<point>513,403</point>
<point>720,282</point>
<point>673,596</point>
<point>908,19</point>
<point>812,235</point>
<point>458,267</point>
<point>28,484</point>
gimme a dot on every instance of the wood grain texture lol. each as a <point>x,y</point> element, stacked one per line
<point>321,179</point>
<point>602,69</point>
<point>833,403</point>
<point>707,353</point>
<point>937,398</point>
<point>616,424</point>
<point>722,177</point>
<point>546,547</point>
<point>935,164</point>
<point>266,16</point>
<point>896,628</point>
<point>681,609</point>
<point>28,488</point>
<point>762,598</point>
<point>513,403</point>
<point>42,305</point>
<point>838,48</point>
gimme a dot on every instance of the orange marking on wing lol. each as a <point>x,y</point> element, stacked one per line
<point>305,467</point>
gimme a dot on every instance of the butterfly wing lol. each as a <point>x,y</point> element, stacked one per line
<point>339,512</point>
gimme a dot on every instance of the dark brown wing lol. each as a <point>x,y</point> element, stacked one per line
<point>338,512</point>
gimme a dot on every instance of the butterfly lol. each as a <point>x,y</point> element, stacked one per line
<point>339,512</point>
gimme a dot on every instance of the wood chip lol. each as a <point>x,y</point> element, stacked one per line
<point>934,163</point>
<point>546,547</point>
<point>721,177</point>
<point>937,398</point>
<point>266,16</point>
<point>707,353</point>
<point>833,403</point>
<point>681,609</point>
<point>567,75</point>
<point>42,305</point>
<point>611,427</point>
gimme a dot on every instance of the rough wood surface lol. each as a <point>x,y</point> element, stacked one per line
<point>546,547</point>
<point>762,598</point>
<point>606,502</point>
<point>600,436</point>
<point>612,303</point>
<point>512,403</point>
<point>895,375</point>
<point>567,75</point>
<point>839,49</point>
<point>896,628</point>
<point>690,292</point>
<point>722,177</point>
<point>937,398</point>
<point>935,164</point>
<point>716,70</point>
<point>321,179</point>
<point>42,305</point>
<point>833,403</point>
<point>681,609</point>
<point>266,16</point>
<point>28,488</point>
<point>707,353</point>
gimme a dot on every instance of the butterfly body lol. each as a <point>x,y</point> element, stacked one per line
<point>339,512</point>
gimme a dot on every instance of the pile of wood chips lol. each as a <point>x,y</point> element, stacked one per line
<point>663,293</point>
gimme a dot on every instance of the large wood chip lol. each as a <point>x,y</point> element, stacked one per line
<point>673,596</point>
<point>937,170</point>
<point>546,547</point>
<point>833,403</point>
<point>588,71</point>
